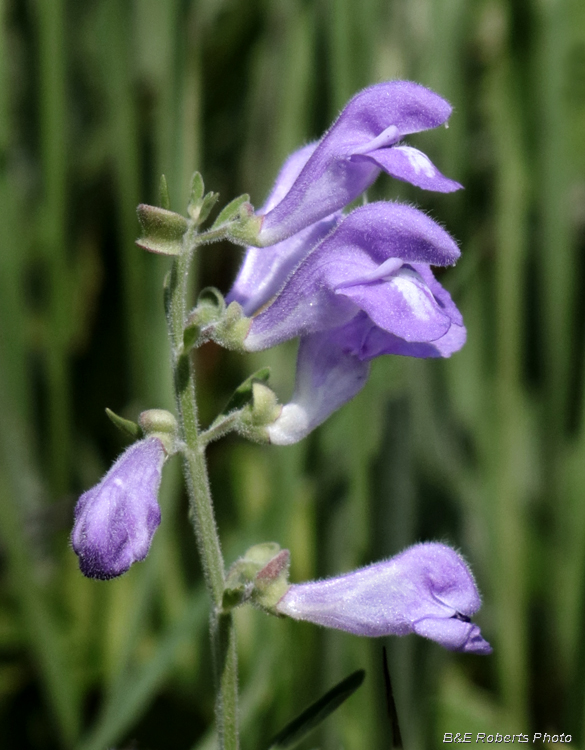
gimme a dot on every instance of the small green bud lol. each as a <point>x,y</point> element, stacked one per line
<point>200,323</point>
<point>266,408</point>
<point>162,230</point>
<point>161,424</point>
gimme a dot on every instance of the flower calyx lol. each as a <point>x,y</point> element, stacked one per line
<point>242,225</point>
<point>213,320</point>
<point>259,577</point>
<point>251,410</point>
<point>261,411</point>
<point>161,424</point>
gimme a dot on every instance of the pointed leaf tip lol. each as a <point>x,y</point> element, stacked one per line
<point>300,727</point>
<point>125,425</point>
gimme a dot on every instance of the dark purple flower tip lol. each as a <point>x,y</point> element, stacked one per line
<point>428,589</point>
<point>116,520</point>
<point>363,141</point>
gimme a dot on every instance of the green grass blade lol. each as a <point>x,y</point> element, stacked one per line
<point>300,727</point>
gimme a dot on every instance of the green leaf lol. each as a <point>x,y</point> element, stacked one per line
<point>300,727</point>
<point>229,211</point>
<point>127,426</point>
<point>190,336</point>
<point>197,189</point>
<point>206,206</point>
<point>163,189</point>
<point>243,394</point>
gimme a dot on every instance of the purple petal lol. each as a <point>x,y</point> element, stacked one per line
<point>265,270</point>
<point>380,342</point>
<point>326,378</point>
<point>377,116</point>
<point>427,589</point>
<point>402,305</point>
<point>441,294</point>
<point>454,634</point>
<point>290,170</point>
<point>410,165</point>
<point>361,244</point>
<point>116,520</point>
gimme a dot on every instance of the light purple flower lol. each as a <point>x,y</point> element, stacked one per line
<point>377,260</point>
<point>265,270</point>
<point>116,520</point>
<point>428,589</point>
<point>366,290</point>
<point>364,140</point>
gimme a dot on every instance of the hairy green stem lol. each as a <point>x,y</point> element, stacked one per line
<point>201,506</point>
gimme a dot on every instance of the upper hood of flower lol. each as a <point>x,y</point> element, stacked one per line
<point>349,157</point>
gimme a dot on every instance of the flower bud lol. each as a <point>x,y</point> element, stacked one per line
<point>116,520</point>
<point>162,230</point>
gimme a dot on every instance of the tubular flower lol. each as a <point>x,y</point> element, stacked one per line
<point>377,260</point>
<point>364,140</point>
<point>428,589</point>
<point>265,270</point>
<point>116,520</point>
<point>366,290</point>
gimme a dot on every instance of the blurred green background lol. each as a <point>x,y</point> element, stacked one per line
<point>485,451</point>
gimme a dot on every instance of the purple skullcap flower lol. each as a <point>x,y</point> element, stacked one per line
<point>265,270</point>
<point>428,589</point>
<point>363,141</point>
<point>366,290</point>
<point>377,260</point>
<point>116,520</point>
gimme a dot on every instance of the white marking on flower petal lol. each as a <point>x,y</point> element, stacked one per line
<point>419,162</point>
<point>419,303</point>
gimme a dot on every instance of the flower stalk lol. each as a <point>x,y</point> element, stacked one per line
<point>200,502</point>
